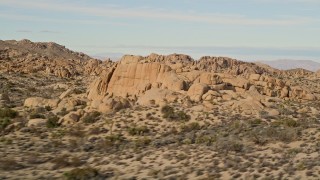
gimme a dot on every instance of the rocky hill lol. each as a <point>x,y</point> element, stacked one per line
<point>153,117</point>
<point>49,58</point>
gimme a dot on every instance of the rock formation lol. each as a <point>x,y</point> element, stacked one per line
<point>48,58</point>
<point>149,79</point>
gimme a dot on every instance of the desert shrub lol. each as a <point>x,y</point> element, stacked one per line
<point>170,114</point>
<point>66,161</point>
<point>190,127</point>
<point>82,174</point>
<point>77,131</point>
<point>111,143</point>
<point>91,117</point>
<point>8,113</point>
<point>287,135</point>
<point>133,131</point>
<point>63,112</point>
<point>53,122</point>
<point>229,144</point>
<point>205,139</point>
<point>4,122</point>
<point>286,122</point>
<point>167,111</point>
<point>255,122</point>
<point>8,164</point>
<point>258,138</point>
<point>36,116</point>
<point>79,91</point>
<point>290,123</point>
<point>142,142</point>
<point>284,134</point>
<point>114,139</point>
<point>48,108</point>
<point>182,116</point>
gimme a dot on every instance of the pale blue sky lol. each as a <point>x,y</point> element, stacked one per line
<point>246,29</point>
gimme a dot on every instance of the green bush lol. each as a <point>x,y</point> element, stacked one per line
<point>92,117</point>
<point>48,108</point>
<point>286,122</point>
<point>52,122</point>
<point>142,142</point>
<point>166,110</point>
<point>82,174</point>
<point>291,123</point>
<point>169,114</point>
<point>133,131</point>
<point>37,115</point>
<point>8,113</point>
<point>4,122</point>
<point>190,127</point>
<point>207,140</point>
<point>255,122</point>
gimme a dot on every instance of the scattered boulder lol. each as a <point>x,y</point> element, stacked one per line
<point>196,91</point>
<point>66,93</point>
<point>254,77</point>
<point>36,122</point>
<point>41,102</point>
<point>157,96</point>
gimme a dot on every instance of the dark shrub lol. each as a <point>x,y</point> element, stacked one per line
<point>169,114</point>
<point>52,122</point>
<point>4,122</point>
<point>83,174</point>
<point>138,130</point>
<point>36,115</point>
<point>9,113</point>
<point>92,117</point>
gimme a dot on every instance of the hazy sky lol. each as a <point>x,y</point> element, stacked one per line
<point>244,29</point>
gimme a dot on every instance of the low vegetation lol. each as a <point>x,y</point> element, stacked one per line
<point>171,115</point>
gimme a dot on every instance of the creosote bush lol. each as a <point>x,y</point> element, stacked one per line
<point>8,113</point>
<point>91,117</point>
<point>190,127</point>
<point>36,116</point>
<point>170,114</point>
<point>4,122</point>
<point>82,174</point>
<point>52,122</point>
<point>133,131</point>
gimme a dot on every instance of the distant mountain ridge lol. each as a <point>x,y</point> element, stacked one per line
<point>286,64</point>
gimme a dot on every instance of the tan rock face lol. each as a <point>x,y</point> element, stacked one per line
<point>41,102</point>
<point>196,91</point>
<point>131,77</point>
<point>36,122</point>
<point>98,89</point>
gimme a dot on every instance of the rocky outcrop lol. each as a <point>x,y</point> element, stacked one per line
<point>133,77</point>
<point>136,77</point>
<point>228,65</point>
<point>110,104</point>
<point>196,91</point>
